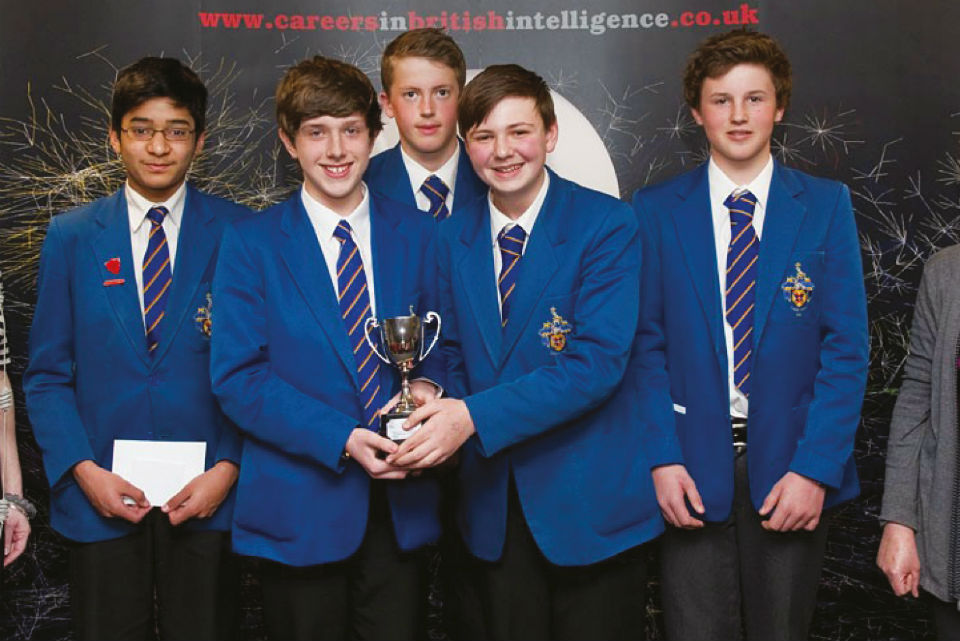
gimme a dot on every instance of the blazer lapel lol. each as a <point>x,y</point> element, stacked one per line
<point>468,186</point>
<point>110,246</point>
<point>477,281</point>
<point>781,225</point>
<point>693,222</point>
<point>539,262</point>
<point>301,254</point>
<point>397,182</point>
<point>195,247</point>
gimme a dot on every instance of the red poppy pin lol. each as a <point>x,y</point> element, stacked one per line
<point>113,265</point>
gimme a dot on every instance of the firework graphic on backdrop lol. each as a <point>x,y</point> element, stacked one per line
<point>51,165</point>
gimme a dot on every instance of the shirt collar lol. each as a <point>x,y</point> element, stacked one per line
<point>722,186</point>
<point>499,220</point>
<point>325,220</point>
<point>138,206</point>
<point>418,173</point>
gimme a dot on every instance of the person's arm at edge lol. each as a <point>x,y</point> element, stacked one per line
<point>897,554</point>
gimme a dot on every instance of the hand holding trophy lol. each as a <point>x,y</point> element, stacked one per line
<point>403,339</point>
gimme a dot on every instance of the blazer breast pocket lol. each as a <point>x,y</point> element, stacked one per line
<point>797,299</point>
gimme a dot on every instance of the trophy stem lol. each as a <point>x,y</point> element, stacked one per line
<point>406,404</point>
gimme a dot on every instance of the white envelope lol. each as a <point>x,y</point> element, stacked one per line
<point>159,468</point>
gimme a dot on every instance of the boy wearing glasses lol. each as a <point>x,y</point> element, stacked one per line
<point>338,529</point>
<point>119,349</point>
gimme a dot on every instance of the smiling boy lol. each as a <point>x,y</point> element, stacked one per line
<point>117,352</point>
<point>339,530</point>
<point>423,73</point>
<point>753,358</point>
<point>539,291</point>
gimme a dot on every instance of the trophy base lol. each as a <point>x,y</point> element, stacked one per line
<point>391,427</point>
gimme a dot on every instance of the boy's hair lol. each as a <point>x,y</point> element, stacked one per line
<point>721,52</point>
<point>497,82</point>
<point>321,86</point>
<point>430,43</point>
<point>149,78</point>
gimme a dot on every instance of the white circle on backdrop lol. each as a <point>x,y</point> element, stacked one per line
<point>580,154</point>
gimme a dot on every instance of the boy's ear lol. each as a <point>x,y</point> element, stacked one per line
<point>553,134</point>
<point>697,117</point>
<point>385,104</point>
<point>779,115</point>
<point>285,139</point>
<point>114,141</point>
<point>202,138</point>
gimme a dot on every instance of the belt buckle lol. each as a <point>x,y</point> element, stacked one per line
<point>738,428</point>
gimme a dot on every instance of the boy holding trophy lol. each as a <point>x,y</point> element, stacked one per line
<point>338,528</point>
<point>539,292</point>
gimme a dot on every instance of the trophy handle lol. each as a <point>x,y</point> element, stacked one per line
<point>367,324</point>
<point>431,316</point>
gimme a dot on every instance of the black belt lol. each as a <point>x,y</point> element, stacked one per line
<point>738,427</point>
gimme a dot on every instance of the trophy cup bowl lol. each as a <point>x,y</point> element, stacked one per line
<point>402,339</point>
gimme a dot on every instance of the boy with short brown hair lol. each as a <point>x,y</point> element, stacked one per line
<point>338,529</point>
<point>753,358</point>
<point>423,72</point>
<point>539,291</point>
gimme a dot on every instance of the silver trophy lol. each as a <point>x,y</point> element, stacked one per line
<point>403,339</point>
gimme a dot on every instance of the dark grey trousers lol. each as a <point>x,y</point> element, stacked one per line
<point>734,578</point>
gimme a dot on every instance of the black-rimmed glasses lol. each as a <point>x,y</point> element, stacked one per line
<point>172,134</point>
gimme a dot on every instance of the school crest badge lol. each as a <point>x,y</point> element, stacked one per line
<point>554,332</point>
<point>798,289</point>
<point>204,317</point>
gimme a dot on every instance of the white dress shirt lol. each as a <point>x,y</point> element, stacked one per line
<point>418,173</point>
<point>137,208</point>
<point>325,221</point>
<point>720,188</point>
<point>499,222</point>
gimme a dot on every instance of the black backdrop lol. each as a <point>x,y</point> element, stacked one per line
<point>875,105</point>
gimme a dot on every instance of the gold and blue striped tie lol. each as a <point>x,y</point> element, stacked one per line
<point>354,309</point>
<point>511,249</point>
<point>741,280</point>
<point>436,192</point>
<point>157,277</point>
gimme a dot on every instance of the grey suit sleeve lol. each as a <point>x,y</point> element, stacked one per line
<point>911,416</point>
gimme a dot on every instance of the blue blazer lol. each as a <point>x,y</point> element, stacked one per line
<point>284,370</point>
<point>809,362</point>
<point>388,175</point>
<point>90,379</point>
<point>546,393</point>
